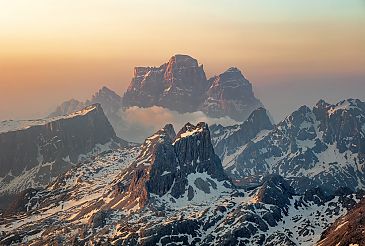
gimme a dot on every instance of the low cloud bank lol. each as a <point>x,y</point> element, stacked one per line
<point>139,123</point>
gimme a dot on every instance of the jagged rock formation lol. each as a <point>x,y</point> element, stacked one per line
<point>67,107</point>
<point>175,167</point>
<point>320,147</point>
<point>230,94</point>
<point>170,190</point>
<point>33,153</point>
<point>177,84</point>
<point>181,85</point>
<point>110,101</point>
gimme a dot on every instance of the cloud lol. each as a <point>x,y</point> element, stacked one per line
<point>139,123</point>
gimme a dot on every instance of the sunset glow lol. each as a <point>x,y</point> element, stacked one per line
<point>83,45</point>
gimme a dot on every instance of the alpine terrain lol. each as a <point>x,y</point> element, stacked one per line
<point>34,153</point>
<point>323,146</point>
<point>172,190</point>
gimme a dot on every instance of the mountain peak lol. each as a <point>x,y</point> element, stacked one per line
<point>230,94</point>
<point>322,104</point>
<point>183,60</point>
<point>258,115</point>
<point>170,131</point>
<point>106,90</point>
<point>232,70</point>
<point>164,168</point>
<point>181,85</point>
<point>178,85</point>
<point>189,129</point>
<point>45,148</point>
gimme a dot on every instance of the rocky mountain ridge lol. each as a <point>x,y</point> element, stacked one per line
<point>135,196</point>
<point>34,153</point>
<point>323,146</point>
<point>181,85</point>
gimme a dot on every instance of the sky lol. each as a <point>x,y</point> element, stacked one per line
<point>294,52</point>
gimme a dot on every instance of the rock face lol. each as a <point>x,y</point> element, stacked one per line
<point>174,167</point>
<point>177,85</point>
<point>230,94</point>
<point>181,85</point>
<point>33,153</point>
<point>348,229</point>
<point>275,190</point>
<point>319,147</point>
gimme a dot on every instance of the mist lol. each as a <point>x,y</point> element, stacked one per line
<point>140,123</point>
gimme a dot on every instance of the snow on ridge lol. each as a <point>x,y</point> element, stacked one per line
<point>343,105</point>
<point>190,133</point>
<point>15,125</point>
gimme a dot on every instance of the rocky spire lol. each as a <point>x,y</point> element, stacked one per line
<point>166,162</point>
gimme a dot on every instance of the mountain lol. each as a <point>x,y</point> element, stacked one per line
<point>172,189</point>
<point>110,101</point>
<point>173,168</point>
<point>67,107</point>
<point>33,153</point>
<point>319,147</point>
<point>230,94</point>
<point>177,85</point>
<point>181,85</point>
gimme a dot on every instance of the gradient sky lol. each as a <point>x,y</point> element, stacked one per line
<point>294,52</point>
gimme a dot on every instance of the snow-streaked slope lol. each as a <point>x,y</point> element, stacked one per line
<point>34,153</point>
<point>168,191</point>
<point>323,146</point>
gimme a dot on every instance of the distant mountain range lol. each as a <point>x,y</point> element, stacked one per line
<point>179,85</point>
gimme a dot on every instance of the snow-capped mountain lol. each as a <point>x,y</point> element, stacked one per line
<point>323,146</point>
<point>35,152</point>
<point>181,85</point>
<point>170,190</point>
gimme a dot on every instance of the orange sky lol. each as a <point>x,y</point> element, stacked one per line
<point>52,50</point>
